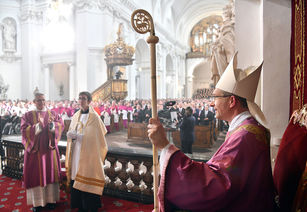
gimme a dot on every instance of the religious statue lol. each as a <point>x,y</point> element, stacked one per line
<point>120,31</point>
<point>61,89</point>
<point>227,36</point>
<point>223,48</point>
<point>35,91</point>
<point>118,74</point>
<point>218,60</point>
<point>3,89</point>
<point>9,34</point>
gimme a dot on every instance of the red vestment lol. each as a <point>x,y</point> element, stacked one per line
<point>290,163</point>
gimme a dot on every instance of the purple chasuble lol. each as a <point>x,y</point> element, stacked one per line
<point>237,178</point>
<point>41,156</point>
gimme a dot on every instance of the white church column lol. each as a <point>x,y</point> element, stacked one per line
<point>163,80</point>
<point>263,23</point>
<point>72,89</point>
<point>176,66</point>
<point>31,20</point>
<point>46,68</point>
<point>276,22</point>
<point>145,83</point>
<point>131,85</point>
<point>181,76</point>
<point>189,86</point>
<point>93,21</point>
<point>159,84</point>
<point>81,50</point>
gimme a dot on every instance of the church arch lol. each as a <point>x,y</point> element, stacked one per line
<point>142,69</point>
<point>59,81</point>
<point>201,76</point>
<point>170,77</point>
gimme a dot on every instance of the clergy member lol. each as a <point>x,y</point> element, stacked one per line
<point>238,177</point>
<point>41,130</point>
<point>85,154</point>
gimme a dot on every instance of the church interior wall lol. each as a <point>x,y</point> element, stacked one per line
<point>248,33</point>
<point>181,76</point>
<point>202,75</point>
<point>59,81</point>
<point>131,85</point>
<point>170,77</point>
<point>142,64</point>
<point>10,66</point>
<point>248,36</point>
<point>265,35</point>
<point>10,73</point>
<point>97,36</point>
<point>81,51</point>
<point>191,63</point>
<point>276,50</point>
<point>96,69</point>
<point>31,21</point>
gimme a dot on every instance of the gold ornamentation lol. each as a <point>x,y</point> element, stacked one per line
<point>257,131</point>
<point>142,21</point>
<point>119,49</point>
<point>299,52</point>
<point>300,116</point>
<point>297,72</point>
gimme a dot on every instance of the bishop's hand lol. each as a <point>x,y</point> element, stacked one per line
<point>157,134</point>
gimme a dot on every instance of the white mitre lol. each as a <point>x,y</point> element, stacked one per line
<point>243,83</point>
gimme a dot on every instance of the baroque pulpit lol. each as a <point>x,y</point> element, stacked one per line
<point>117,54</point>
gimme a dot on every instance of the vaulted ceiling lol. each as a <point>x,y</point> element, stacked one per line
<point>186,13</point>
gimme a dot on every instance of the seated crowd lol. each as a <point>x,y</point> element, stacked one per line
<point>138,111</point>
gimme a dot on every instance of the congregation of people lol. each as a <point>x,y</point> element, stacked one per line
<point>138,111</point>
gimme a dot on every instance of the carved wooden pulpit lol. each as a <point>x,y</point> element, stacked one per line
<point>118,54</point>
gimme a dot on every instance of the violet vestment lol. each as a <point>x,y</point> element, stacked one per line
<point>237,178</point>
<point>41,157</point>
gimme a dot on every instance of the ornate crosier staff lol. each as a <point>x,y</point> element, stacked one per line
<point>142,22</point>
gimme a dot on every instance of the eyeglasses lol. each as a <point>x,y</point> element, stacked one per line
<point>219,96</point>
<point>82,98</point>
<point>40,100</point>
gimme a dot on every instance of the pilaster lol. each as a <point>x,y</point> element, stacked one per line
<point>72,80</point>
<point>46,70</point>
<point>31,21</point>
